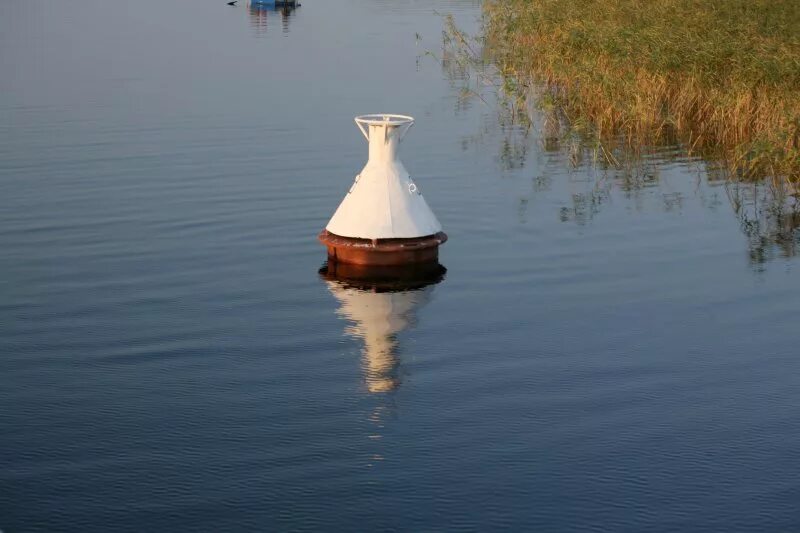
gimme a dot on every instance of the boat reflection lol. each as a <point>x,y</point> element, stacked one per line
<point>261,13</point>
<point>378,305</point>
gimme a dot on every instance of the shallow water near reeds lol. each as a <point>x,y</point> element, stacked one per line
<point>608,350</point>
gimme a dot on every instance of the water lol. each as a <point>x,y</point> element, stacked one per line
<point>607,351</point>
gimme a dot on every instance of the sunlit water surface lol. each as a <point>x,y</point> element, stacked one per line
<point>609,350</point>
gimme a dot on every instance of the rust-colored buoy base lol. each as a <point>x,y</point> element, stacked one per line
<point>382,252</point>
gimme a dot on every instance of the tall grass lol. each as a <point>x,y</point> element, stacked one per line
<point>720,76</point>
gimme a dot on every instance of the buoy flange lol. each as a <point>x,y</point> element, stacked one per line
<point>382,252</point>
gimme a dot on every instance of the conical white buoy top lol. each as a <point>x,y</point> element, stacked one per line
<point>384,203</point>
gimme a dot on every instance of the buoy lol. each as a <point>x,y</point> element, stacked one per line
<point>383,220</point>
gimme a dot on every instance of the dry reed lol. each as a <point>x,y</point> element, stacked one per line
<point>720,76</point>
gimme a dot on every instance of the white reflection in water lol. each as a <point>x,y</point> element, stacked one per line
<point>376,314</point>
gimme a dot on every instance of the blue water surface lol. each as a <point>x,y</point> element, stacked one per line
<point>610,350</point>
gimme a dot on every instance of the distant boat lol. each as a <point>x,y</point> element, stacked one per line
<point>277,3</point>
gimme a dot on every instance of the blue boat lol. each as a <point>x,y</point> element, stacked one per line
<point>276,3</point>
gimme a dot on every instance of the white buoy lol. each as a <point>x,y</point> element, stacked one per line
<point>383,219</point>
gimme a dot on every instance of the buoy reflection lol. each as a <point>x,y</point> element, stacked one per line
<point>378,305</point>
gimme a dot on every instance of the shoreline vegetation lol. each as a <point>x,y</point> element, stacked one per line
<point>719,77</point>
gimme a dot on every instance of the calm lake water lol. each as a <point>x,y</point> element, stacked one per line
<point>608,350</point>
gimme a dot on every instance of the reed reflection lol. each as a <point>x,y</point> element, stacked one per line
<point>769,216</point>
<point>378,305</point>
<point>591,171</point>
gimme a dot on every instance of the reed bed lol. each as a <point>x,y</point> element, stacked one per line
<point>722,77</point>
